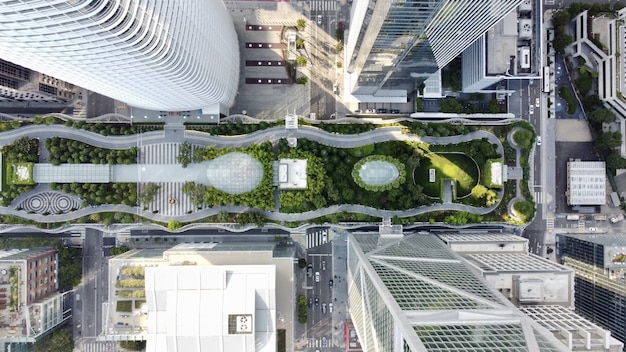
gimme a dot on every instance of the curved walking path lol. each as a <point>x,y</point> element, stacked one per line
<point>272,134</point>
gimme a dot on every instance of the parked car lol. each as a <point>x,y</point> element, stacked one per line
<point>324,237</point>
<point>317,276</point>
<point>382,111</point>
<point>317,301</point>
<point>538,140</point>
<point>324,308</point>
<point>395,111</point>
<point>310,302</point>
<point>331,283</point>
<point>537,102</point>
<point>370,111</point>
<point>330,307</point>
<point>593,229</point>
<point>319,19</point>
<point>324,341</point>
<point>358,111</point>
<point>309,270</point>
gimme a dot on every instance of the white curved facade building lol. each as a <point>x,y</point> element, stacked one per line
<point>169,55</point>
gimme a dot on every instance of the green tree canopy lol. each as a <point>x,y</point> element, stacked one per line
<point>523,138</point>
<point>59,341</point>
<point>609,140</point>
<point>601,115</point>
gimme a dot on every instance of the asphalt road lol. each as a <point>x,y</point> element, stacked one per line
<point>94,289</point>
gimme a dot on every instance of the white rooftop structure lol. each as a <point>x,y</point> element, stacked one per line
<point>217,308</point>
<point>586,182</point>
<point>292,174</point>
<point>574,331</point>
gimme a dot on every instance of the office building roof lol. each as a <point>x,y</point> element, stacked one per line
<point>586,182</point>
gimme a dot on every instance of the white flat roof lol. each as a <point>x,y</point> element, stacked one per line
<point>189,308</point>
<point>292,173</point>
<point>586,182</point>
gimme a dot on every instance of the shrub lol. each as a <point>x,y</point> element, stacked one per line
<point>124,306</point>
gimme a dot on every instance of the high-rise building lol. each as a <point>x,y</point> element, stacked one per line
<point>600,283</point>
<point>412,293</point>
<point>397,40</point>
<point>153,54</point>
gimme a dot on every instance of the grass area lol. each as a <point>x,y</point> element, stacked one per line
<point>487,173</point>
<point>19,173</point>
<point>567,94</point>
<point>138,303</point>
<point>124,306</point>
<point>456,166</point>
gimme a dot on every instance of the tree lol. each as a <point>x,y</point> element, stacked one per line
<point>150,190</point>
<point>523,138</point>
<point>601,116</point>
<point>301,24</point>
<point>302,80</point>
<point>609,140</point>
<point>561,18</point>
<point>119,250</point>
<point>300,43</point>
<point>615,161</point>
<point>561,41</point>
<point>301,60</point>
<point>338,47</point>
<point>59,341</point>
<point>184,154</point>
<point>133,345</point>
<point>174,225</point>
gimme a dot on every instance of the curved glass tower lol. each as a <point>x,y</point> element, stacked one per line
<point>152,54</point>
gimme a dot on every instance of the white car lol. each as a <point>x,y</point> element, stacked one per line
<point>531,109</point>
<point>317,276</point>
<point>538,140</point>
<point>537,102</point>
<point>593,229</point>
<point>319,19</point>
<point>330,307</point>
<point>324,237</point>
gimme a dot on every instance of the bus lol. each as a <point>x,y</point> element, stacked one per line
<point>546,79</point>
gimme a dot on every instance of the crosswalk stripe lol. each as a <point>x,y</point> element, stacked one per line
<point>540,197</point>
<point>323,5</point>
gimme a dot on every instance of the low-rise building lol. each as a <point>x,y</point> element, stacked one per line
<point>586,182</point>
<point>203,296</point>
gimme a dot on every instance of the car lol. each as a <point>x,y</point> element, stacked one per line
<point>319,19</point>
<point>335,88</point>
<point>310,302</point>
<point>370,111</point>
<point>381,111</point>
<point>537,102</point>
<point>324,308</point>
<point>317,276</point>
<point>330,307</point>
<point>531,109</point>
<point>324,237</point>
<point>538,140</point>
<point>331,283</point>
<point>323,265</point>
<point>317,301</point>
<point>593,229</point>
<point>324,341</point>
<point>395,111</point>
<point>309,270</point>
<point>358,111</point>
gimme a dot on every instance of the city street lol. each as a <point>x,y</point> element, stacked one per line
<point>94,288</point>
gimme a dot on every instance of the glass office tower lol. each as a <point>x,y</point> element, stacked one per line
<point>412,293</point>
<point>400,39</point>
<point>153,54</point>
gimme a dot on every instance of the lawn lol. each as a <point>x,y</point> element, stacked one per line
<point>456,166</point>
<point>124,306</point>
<point>19,173</point>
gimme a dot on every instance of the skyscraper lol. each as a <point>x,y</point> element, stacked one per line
<point>152,54</point>
<point>600,282</point>
<point>413,38</point>
<point>411,293</point>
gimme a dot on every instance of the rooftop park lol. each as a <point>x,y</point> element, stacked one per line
<point>417,170</point>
